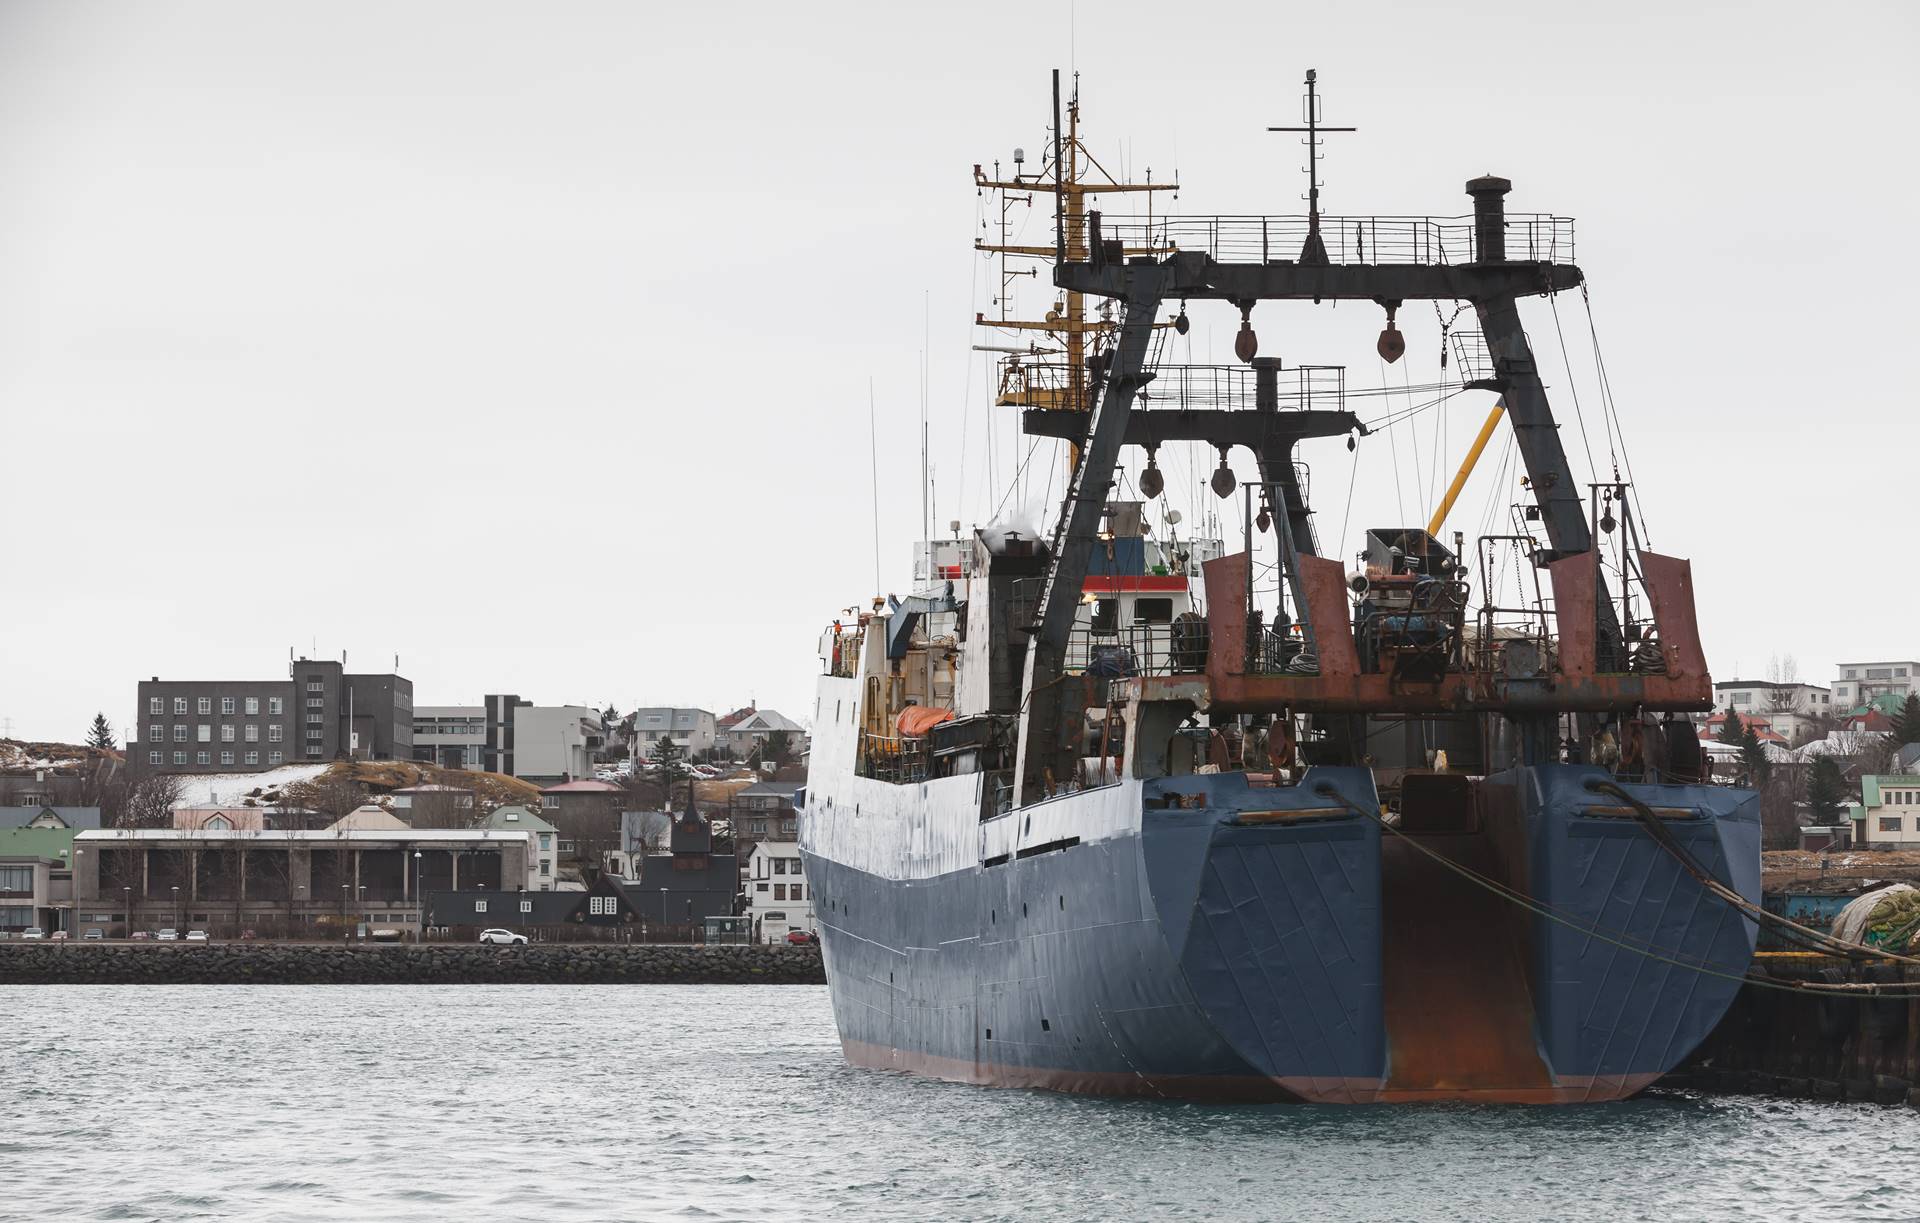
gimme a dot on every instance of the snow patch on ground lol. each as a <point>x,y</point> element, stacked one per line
<point>233,789</point>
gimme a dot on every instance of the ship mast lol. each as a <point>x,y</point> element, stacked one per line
<point>1071,174</point>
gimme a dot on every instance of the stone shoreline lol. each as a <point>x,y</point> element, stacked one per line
<point>431,964</point>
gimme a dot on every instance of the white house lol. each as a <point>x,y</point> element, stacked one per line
<point>691,729</point>
<point>1888,813</point>
<point>779,898</point>
<point>1793,709</point>
<point>1856,683</point>
<point>753,729</point>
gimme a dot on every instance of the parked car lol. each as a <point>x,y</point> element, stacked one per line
<point>58,936</point>
<point>33,932</point>
<point>94,934</point>
<point>801,937</point>
<point>196,936</point>
<point>169,935</point>
<point>141,936</point>
<point>503,938</point>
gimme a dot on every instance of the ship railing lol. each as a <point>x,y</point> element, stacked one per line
<point>1125,651</point>
<point>1215,387</point>
<point>1536,237</point>
<point>898,759</point>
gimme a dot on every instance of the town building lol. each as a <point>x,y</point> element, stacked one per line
<point>366,868</point>
<point>677,891</point>
<point>779,898</point>
<point>763,811</point>
<point>36,879</point>
<point>537,743</point>
<point>543,867</point>
<point>1797,711</point>
<point>692,730</point>
<point>557,742</point>
<point>1888,813</point>
<point>602,910</point>
<point>219,819</point>
<point>455,737</point>
<point>587,816</point>
<point>1858,683</point>
<point>321,712</point>
<point>748,730</point>
<point>432,805</point>
<point>54,787</point>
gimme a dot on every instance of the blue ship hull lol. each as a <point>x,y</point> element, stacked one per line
<point>1272,944</point>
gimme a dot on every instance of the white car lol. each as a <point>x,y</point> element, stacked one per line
<point>503,938</point>
<point>33,932</point>
<point>196,936</point>
<point>169,935</point>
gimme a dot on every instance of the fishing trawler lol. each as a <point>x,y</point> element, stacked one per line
<point>1106,809</point>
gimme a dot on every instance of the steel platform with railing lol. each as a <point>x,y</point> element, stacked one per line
<point>1421,241</point>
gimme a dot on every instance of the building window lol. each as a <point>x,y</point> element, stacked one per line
<point>226,757</point>
<point>316,719</point>
<point>546,840</point>
<point>526,906</point>
<point>275,757</point>
<point>1889,823</point>
<point>273,733</point>
<point>314,684</point>
<point>154,705</point>
<point>316,702</point>
<point>204,734</point>
<point>253,758</point>
<point>226,706</point>
<point>1899,673</point>
<point>759,887</point>
<point>203,757</point>
<point>153,757</point>
<point>179,757</point>
<point>779,891</point>
<point>314,736</point>
<point>253,705</point>
<point>179,704</point>
<point>252,733</point>
<point>156,733</point>
<point>226,733</point>
<point>273,705</point>
<point>314,753</point>
<point>479,906</point>
<point>179,732</point>
<point>204,704</point>
<point>797,892</point>
<point>546,866</point>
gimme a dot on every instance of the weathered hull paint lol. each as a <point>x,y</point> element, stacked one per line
<point>1145,939</point>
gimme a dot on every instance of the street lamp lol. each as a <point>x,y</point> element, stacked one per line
<point>177,923</point>
<point>419,902</point>
<point>73,896</point>
<point>663,914</point>
<point>126,900</point>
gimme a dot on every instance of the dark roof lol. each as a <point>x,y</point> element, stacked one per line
<point>77,818</point>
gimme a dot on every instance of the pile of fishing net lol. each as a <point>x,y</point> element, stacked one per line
<point>1885,917</point>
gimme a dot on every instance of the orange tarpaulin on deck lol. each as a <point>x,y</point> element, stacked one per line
<point>917,720</point>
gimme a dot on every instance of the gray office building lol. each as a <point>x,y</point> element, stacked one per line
<point>320,712</point>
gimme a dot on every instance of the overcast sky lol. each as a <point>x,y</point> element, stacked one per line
<point>531,342</point>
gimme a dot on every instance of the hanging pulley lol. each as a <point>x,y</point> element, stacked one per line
<point>1392,344</point>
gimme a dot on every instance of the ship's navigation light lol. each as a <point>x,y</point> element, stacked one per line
<point>1151,481</point>
<point>1246,345</point>
<point>1019,157</point>
<point>1223,481</point>
<point>1392,344</point>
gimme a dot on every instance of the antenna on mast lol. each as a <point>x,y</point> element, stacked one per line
<point>1314,250</point>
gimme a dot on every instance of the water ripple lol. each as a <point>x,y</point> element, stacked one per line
<point>315,1104</point>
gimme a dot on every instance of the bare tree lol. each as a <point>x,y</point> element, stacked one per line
<point>149,802</point>
<point>1783,672</point>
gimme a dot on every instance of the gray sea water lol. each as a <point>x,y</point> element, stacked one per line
<point>668,1102</point>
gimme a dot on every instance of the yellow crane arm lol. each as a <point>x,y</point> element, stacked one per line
<point>1466,466</point>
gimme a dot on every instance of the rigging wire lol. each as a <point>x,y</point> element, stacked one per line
<point>1611,407</point>
<point>1573,386</point>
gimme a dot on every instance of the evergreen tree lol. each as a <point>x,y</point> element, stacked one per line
<point>101,734</point>
<point>671,761</point>
<point>1733,730</point>
<point>1753,757</point>
<point>1826,790</point>
<point>1906,723</point>
<point>779,747</point>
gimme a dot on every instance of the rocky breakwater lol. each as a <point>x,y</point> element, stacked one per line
<point>432,964</point>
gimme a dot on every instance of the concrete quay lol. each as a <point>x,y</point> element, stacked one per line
<point>406,964</point>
